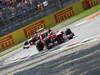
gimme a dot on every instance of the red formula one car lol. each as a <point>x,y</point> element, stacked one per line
<point>48,39</point>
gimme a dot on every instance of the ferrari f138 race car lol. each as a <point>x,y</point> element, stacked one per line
<point>46,39</point>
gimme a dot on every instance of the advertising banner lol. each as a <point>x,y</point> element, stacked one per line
<point>89,3</point>
<point>64,14</point>
<point>6,42</point>
<point>30,30</point>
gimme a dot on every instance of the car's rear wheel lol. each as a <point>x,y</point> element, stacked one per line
<point>39,45</point>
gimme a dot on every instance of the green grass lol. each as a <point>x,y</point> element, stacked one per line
<point>77,17</point>
<point>59,26</point>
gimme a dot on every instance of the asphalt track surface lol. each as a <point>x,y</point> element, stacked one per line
<point>83,29</point>
<point>83,62</point>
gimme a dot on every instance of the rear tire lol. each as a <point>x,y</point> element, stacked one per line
<point>48,43</point>
<point>71,36</point>
<point>39,45</point>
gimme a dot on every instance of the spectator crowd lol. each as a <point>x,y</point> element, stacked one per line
<point>13,6</point>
